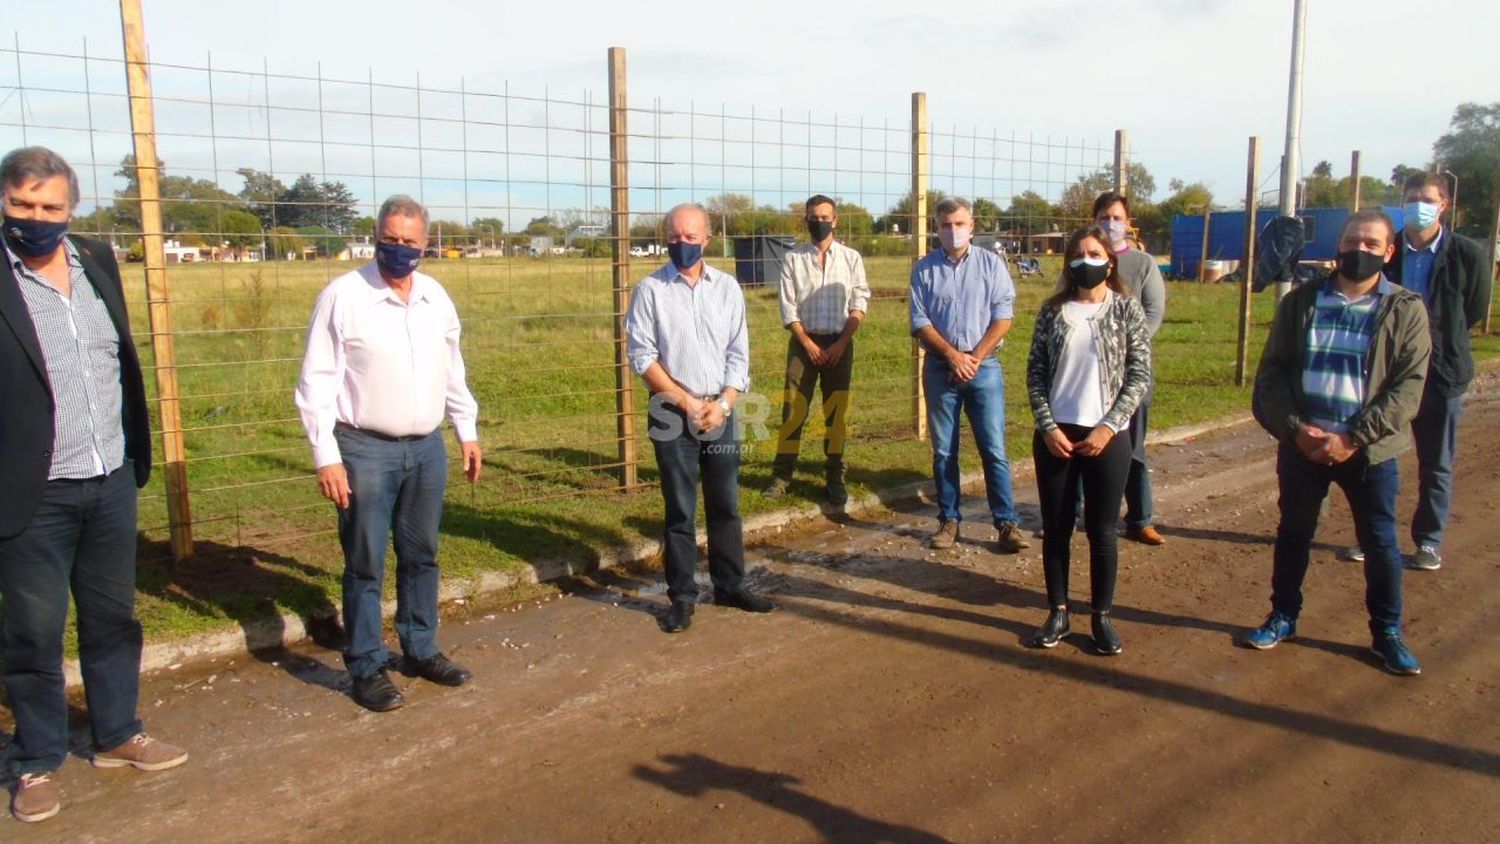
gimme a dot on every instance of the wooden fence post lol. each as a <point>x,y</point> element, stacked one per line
<point>919,164</point>
<point>619,207</point>
<point>1252,179</point>
<point>158,298</point>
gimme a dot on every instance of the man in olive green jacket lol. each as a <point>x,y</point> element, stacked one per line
<point>1338,384</point>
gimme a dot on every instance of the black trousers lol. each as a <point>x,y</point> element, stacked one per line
<point>686,457</point>
<point>1102,480</point>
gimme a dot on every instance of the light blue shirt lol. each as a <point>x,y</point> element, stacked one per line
<point>696,332</point>
<point>961,298</point>
<point>1416,267</point>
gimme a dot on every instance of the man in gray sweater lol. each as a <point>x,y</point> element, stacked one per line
<point>1138,270</point>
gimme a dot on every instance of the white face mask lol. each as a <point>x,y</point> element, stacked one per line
<point>1115,229</point>
<point>955,238</point>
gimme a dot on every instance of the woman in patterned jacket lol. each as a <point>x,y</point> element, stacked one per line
<point>1090,364</point>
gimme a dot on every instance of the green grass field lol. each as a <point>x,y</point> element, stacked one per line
<point>539,350</point>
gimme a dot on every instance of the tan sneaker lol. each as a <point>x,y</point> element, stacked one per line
<point>1008,538</point>
<point>141,752</point>
<point>946,536</point>
<point>37,798</point>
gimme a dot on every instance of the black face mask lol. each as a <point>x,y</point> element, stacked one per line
<point>1086,275</point>
<point>819,230</point>
<point>1359,265</point>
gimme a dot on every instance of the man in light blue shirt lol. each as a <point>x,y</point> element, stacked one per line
<point>962,304</point>
<point>686,338</point>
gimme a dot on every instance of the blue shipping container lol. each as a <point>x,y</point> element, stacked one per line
<point>1226,235</point>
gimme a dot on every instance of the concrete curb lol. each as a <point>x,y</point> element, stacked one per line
<point>290,628</point>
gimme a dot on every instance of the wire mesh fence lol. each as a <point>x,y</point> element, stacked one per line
<point>271,180</point>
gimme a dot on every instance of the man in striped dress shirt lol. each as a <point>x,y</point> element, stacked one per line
<point>688,341</point>
<point>824,296</point>
<point>1338,384</point>
<point>75,441</point>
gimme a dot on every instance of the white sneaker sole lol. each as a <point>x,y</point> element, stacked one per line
<point>108,762</point>
<point>40,816</point>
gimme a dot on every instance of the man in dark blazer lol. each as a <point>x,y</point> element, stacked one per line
<point>75,441</point>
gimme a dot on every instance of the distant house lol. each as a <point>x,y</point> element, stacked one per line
<point>585,232</point>
<point>364,251</point>
<point>178,254</point>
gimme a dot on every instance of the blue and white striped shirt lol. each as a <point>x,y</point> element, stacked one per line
<point>961,298</point>
<point>1333,372</point>
<point>82,350</point>
<point>696,332</point>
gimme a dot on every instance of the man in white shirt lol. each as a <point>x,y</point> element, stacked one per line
<point>382,368</point>
<point>824,296</point>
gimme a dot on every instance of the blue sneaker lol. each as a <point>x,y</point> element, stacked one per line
<point>1398,659</point>
<point>1278,626</point>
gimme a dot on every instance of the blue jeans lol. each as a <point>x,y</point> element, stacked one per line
<point>397,493</point>
<point>1139,505</point>
<point>81,539</point>
<point>1435,433</point>
<point>685,458</point>
<point>1371,491</point>
<point>983,400</point>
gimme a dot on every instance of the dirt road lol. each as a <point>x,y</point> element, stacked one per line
<point>890,699</point>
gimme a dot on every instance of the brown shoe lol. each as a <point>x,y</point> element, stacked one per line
<point>1009,539</point>
<point>946,536</point>
<point>1147,535</point>
<point>143,753</point>
<point>37,798</point>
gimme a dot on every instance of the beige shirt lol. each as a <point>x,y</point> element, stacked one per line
<point>377,363</point>
<point>822,297</point>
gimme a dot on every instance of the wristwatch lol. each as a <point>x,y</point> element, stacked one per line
<point>724,403</point>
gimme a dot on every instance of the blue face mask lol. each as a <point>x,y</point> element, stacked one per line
<point>1115,229</point>
<point>397,260</point>
<point>1419,216</point>
<point>685,255</point>
<point>34,238</point>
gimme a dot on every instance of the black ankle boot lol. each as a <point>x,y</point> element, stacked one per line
<point>1052,630</point>
<point>1106,641</point>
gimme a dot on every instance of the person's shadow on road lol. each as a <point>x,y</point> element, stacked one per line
<point>693,775</point>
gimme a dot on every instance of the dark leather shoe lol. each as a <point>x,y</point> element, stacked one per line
<point>1052,630</point>
<point>743,599</point>
<point>679,617</point>
<point>439,669</point>
<point>1106,641</point>
<point>377,693</point>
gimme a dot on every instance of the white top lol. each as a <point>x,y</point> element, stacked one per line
<point>822,297</point>
<point>1077,395</point>
<point>380,364</point>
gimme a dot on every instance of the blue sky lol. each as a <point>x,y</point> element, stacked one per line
<point>1189,79</point>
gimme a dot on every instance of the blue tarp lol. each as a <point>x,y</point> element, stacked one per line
<point>1226,235</point>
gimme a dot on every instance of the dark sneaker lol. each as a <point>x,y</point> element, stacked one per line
<point>777,489</point>
<point>743,599</point>
<point>438,669</point>
<point>1398,659</point>
<point>1426,559</point>
<point>946,536</point>
<point>678,618</point>
<point>1009,539</point>
<point>377,693</point>
<point>1352,554</point>
<point>1106,640</point>
<point>1278,627</point>
<point>143,753</point>
<point>37,798</point>
<point>1052,630</point>
<point>838,494</point>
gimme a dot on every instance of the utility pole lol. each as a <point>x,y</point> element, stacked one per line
<point>1290,166</point>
